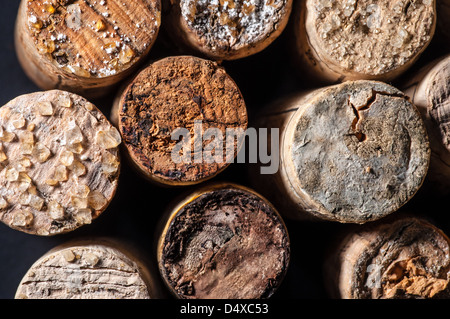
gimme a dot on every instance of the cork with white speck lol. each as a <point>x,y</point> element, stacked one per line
<point>82,46</point>
<point>365,39</point>
<point>227,29</point>
<point>95,269</point>
<point>59,164</point>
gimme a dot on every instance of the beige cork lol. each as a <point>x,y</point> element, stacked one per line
<point>176,93</point>
<point>59,162</point>
<point>404,258</point>
<point>365,39</point>
<point>429,90</point>
<point>81,46</point>
<point>94,269</point>
<point>223,241</point>
<point>352,153</point>
<point>227,30</point>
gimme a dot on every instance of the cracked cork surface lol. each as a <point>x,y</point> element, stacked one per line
<point>404,258</point>
<point>355,152</point>
<point>70,44</point>
<point>226,242</point>
<point>59,162</point>
<point>229,29</point>
<point>364,39</point>
<point>87,271</point>
<point>173,93</point>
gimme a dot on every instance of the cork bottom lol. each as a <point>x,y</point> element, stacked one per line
<point>225,244</point>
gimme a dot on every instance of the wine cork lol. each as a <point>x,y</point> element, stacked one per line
<point>223,242</point>
<point>227,30</point>
<point>96,269</point>
<point>59,162</point>
<point>429,90</point>
<point>361,40</point>
<point>176,93</point>
<point>352,153</point>
<point>407,258</point>
<point>85,47</point>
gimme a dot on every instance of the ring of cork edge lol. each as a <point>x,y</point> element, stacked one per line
<point>59,164</point>
<point>176,93</point>
<point>355,152</point>
<point>228,30</point>
<point>85,47</point>
<point>89,269</point>
<point>223,241</point>
<point>362,40</point>
<point>404,258</point>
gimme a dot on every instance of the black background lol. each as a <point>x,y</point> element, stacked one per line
<point>138,205</point>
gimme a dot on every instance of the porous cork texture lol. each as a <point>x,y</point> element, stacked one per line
<point>59,162</point>
<point>84,46</point>
<point>402,259</point>
<point>369,39</point>
<point>174,93</point>
<point>231,29</point>
<point>88,271</point>
<point>356,152</point>
<point>225,243</point>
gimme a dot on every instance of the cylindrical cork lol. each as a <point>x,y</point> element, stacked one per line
<point>361,40</point>
<point>182,92</point>
<point>59,162</point>
<point>85,47</point>
<point>97,269</point>
<point>227,30</point>
<point>403,258</point>
<point>223,242</point>
<point>429,90</point>
<point>354,152</point>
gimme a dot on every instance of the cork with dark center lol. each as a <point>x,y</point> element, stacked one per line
<point>84,46</point>
<point>227,30</point>
<point>429,90</point>
<point>352,153</point>
<point>407,258</point>
<point>225,242</point>
<point>96,270</point>
<point>174,93</point>
<point>366,39</point>
<point>59,162</point>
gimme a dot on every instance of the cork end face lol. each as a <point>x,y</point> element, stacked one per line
<point>225,243</point>
<point>228,30</point>
<point>92,40</point>
<point>59,162</point>
<point>166,111</point>
<point>357,151</point>
<point>367,40</point>
<point>84,272</point>
<point>409,259</point>
<point>439,101</point>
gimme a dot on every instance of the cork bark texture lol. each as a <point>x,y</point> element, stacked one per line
<point>80,44</point>
<point>355,152</point>
<point>429,90</point>
<point>225,243</point>
<point>403,259</point>
<point>362,39</point>
<point>59,162</point>
<point>173,93</point>
<point>93,271</point>
<point>227,30</point>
